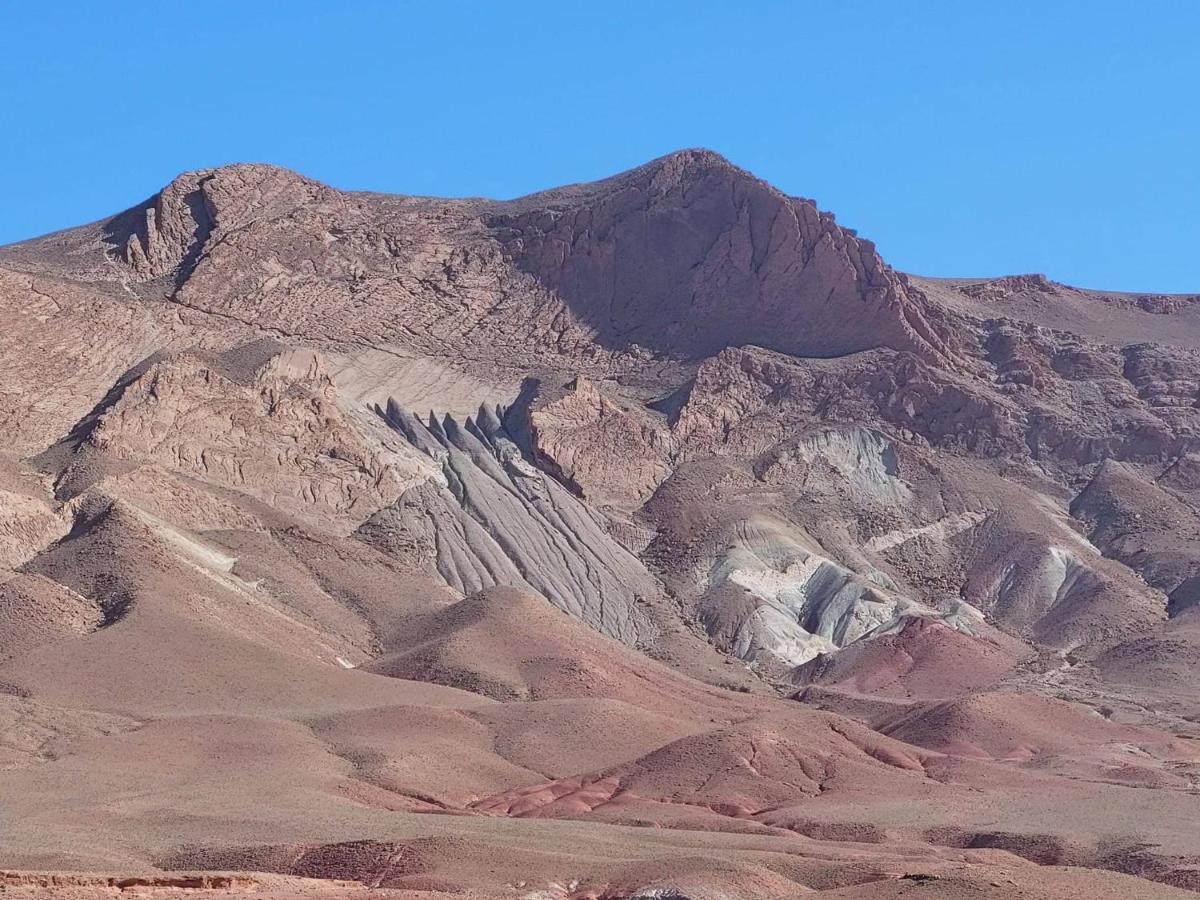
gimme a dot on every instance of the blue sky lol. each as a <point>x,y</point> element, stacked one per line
<point>965,138</point>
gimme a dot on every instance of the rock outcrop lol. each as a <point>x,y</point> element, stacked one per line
<point>690,254</point>
<point>613,453</point>
<point>493,518</point>
<point>273,431</point>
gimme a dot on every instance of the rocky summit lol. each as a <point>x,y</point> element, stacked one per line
<point>648,538</point>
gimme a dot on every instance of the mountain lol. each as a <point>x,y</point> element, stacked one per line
<point>644,538</point>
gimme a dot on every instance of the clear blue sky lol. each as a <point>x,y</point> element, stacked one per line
<point>965,138</point>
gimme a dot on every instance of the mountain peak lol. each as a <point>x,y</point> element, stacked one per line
<point>246,172</point>
<point>689,253</point>
<point>694,158</point>
<point>167,232</point>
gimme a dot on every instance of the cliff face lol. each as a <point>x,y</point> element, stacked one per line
<point>690,254</point>
<point>182,223</point>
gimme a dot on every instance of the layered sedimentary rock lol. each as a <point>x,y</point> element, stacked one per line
<point>272,431</point>
<point>493,518</point>
<point>612,453</point>
<point>688,255</point>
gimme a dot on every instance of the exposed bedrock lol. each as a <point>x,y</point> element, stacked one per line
<point>690,254</point>
<point>1149,524</point>
<point>611,452</point>
<point>775,599</point>
<point>263,421</point>
<point>493,518</point>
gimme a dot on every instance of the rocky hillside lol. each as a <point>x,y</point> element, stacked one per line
<point>419,542</point>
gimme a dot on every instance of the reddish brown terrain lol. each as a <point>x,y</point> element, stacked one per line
<point>650,538</point>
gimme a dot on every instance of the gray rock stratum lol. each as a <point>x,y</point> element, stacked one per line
<point>493,518</point>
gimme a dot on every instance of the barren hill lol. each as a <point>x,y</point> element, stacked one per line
<point>644,538</point>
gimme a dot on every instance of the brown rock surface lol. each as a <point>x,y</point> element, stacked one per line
<point>613,454</point>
